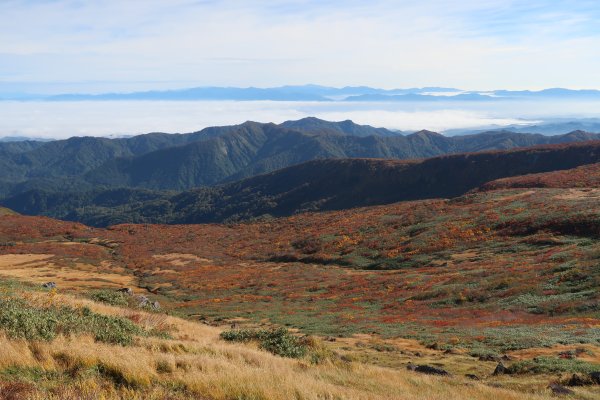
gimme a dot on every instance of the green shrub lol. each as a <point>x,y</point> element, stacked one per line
<point>164,367</point>
<point>21,320</point>
<point>241,335</point>
<point>277,341</point>
<point>282,343</point>
<point>111,297</point>
<point>31,374</point>
<point>483,353</point>
<point>550,365</point>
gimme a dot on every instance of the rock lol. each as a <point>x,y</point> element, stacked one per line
<point>49,285</point>
<point>330,339</point>
<point>126,290</point>
<point>346,358</point>
<point>489,357</point>
<point>577,380</point>
<point>567,354</point>
<point>560,390</point>
<point>156,305</point>
<point>595,377</point>
<point>579,351</point>
<point>500,369</point>
<point>506,357</point>
<point>142,300</point>
<point>426,369</point>
<point>472,377</point>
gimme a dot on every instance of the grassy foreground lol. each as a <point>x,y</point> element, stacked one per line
<point>173,358</point>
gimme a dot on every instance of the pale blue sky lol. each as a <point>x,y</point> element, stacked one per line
<point>104,45</point>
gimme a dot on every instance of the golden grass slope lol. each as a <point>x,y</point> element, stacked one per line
<point>6,211</point>
<point>196,364</point>
<point>39,268</point>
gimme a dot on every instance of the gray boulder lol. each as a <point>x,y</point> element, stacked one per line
<point>500,369</point>
<point>560,390</point>
<point>142,300</point>
<point>426,369</point>
<point>126,290</point>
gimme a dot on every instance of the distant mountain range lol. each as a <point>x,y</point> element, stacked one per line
<point>218,155</point>
<point>312,186</point>
<point>415,97</point>
<point>319,93</point>
<point>551,127</point>
<point>23,138</point>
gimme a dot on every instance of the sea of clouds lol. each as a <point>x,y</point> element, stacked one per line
<point>114,118</point>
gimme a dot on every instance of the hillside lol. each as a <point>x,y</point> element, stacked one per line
<point>225,154</point>
<point>6,211</point>
<point>499,276</point>
<point>254,149</point>
<point>313,186</point>
<point>585,176</point>
<point>347,127</point>
<point>170,358</point>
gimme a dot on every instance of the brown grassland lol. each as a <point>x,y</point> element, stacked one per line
<point>512,270</point>
<point>194,363</point>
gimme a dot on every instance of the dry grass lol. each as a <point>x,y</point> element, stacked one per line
<point>6,211</point>
<point>589,353</point>
<point>221,371</point>
<point>200,365</point>
<point>39,268</point>
<point>180,260</point>
<point>9,261</point>
<point>580,194</point>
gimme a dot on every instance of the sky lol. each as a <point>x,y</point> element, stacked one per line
<point>64,46</point>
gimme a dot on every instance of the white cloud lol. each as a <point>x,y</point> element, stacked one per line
<point>65,119</point>
<point>469,44</point>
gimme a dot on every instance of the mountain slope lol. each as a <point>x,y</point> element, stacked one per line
<point>311,124</point>
<point>69,347</point>
<point>225,154</point>
<point>340,184</point>
<point>459,284</point>
<point>317,185</point>
<point>74,156</point>
<point>6,211</point>
<point>586,176</point>
<point>252,148</point>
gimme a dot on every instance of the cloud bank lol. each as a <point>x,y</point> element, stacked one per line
<point>66,119</point>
